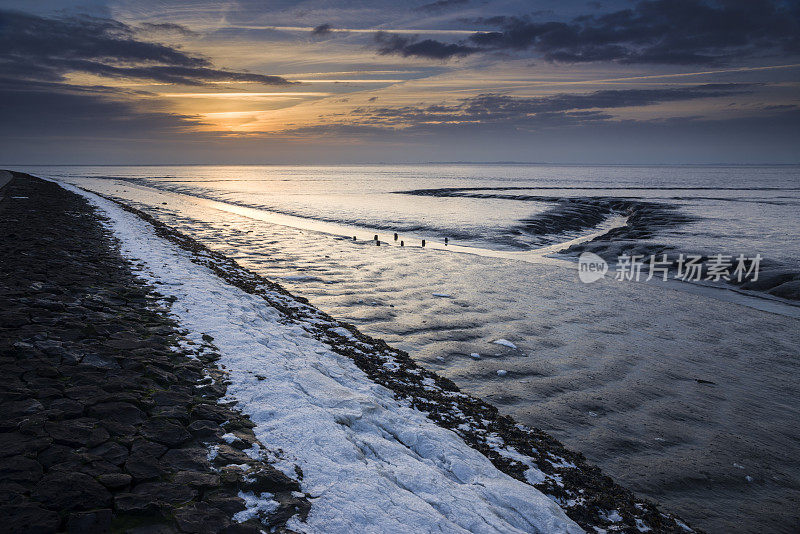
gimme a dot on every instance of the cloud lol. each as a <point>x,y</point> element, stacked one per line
<point>391,44</point>
<point>652,31</point>
<point>46,49</point>
<point>658,31</point>
<point>558,109</point>
<point>45,109</point>
<point>166,27</point>
<point>441,5</point>
<point>322,29</point>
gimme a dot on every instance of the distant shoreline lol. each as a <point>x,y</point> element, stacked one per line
<point>384,163</point>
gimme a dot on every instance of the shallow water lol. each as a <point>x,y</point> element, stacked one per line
<point>683,397</point>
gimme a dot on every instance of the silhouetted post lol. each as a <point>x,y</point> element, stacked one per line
<point>354,238</point>
<point>445,240</point>
<point>377,243</point>
<point>402,244</point>
<point>395,236</point>
<point>423,242</point>
<point>376,237</point>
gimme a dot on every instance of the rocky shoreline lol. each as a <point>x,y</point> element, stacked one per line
<point>111,420</point>
<point>590,498</point>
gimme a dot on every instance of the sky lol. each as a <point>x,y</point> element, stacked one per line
<point>326,81</point>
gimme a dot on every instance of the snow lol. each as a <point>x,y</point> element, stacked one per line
<point>613,516</point>
<point>371,463</point>
<point>255,504</point>
<point>505,343</point>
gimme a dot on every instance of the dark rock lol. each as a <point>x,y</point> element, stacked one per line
<point>119,412</point>
<point>212,412</point>
<point>143,461</point>
<point>180,413</point>
<point>165,431</point>
<point>228,503</point>
<point>115,481</point>
<point>28,518</point>
<point>239,423</point>
<point>22,408</point>
<point>58,454</point>
<point>71,491</point>
<point>11,492</point>
<point>152,529</point>
<point>124,434</point>
<point>95,360</point>
<point>111,452</point>
<point>201,519</point>
<point>88,394</point>
<point>252,527</point>
<point>96,521</point>
<point>171,398</point>
<point>13,443</point>
<point>66,408</point>
<point>228,455</point>
<point>230,474</point>
<point>126,344</point>
<point>244,439</point>
<point>86,465</point>
<point>20,469</point>
<point>204,428</point>
<point>144,467</point>
<point>190,459</point>
<point>268,479</point>
<point>83,432</point>
<point>143,446</point>
<point>196,479</point>
<point>136,503</point>
<point>165,492</point>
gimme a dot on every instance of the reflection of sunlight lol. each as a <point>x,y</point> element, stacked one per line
<point>233,114</point>
<point>241,112</point>
<point>233,121</point>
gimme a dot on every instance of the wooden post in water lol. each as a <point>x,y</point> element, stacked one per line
<point>423,242</point>
<point>445,240</point>
<point>395,236</point>
<point>402,244</point>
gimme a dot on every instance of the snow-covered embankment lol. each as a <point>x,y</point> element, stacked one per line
<point>369,462</point>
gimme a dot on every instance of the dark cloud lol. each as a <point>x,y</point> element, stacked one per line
<point>45,109</point>
<point>658,31</point>
<point>559,109</point>
<point>652,31</point>
<point>167,27</point>
<point>322,29</point>
<point>441,5</point>
<point>392,44</point>
<point>46,49</point>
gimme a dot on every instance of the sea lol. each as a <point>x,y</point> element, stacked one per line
<point>685,391</point>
